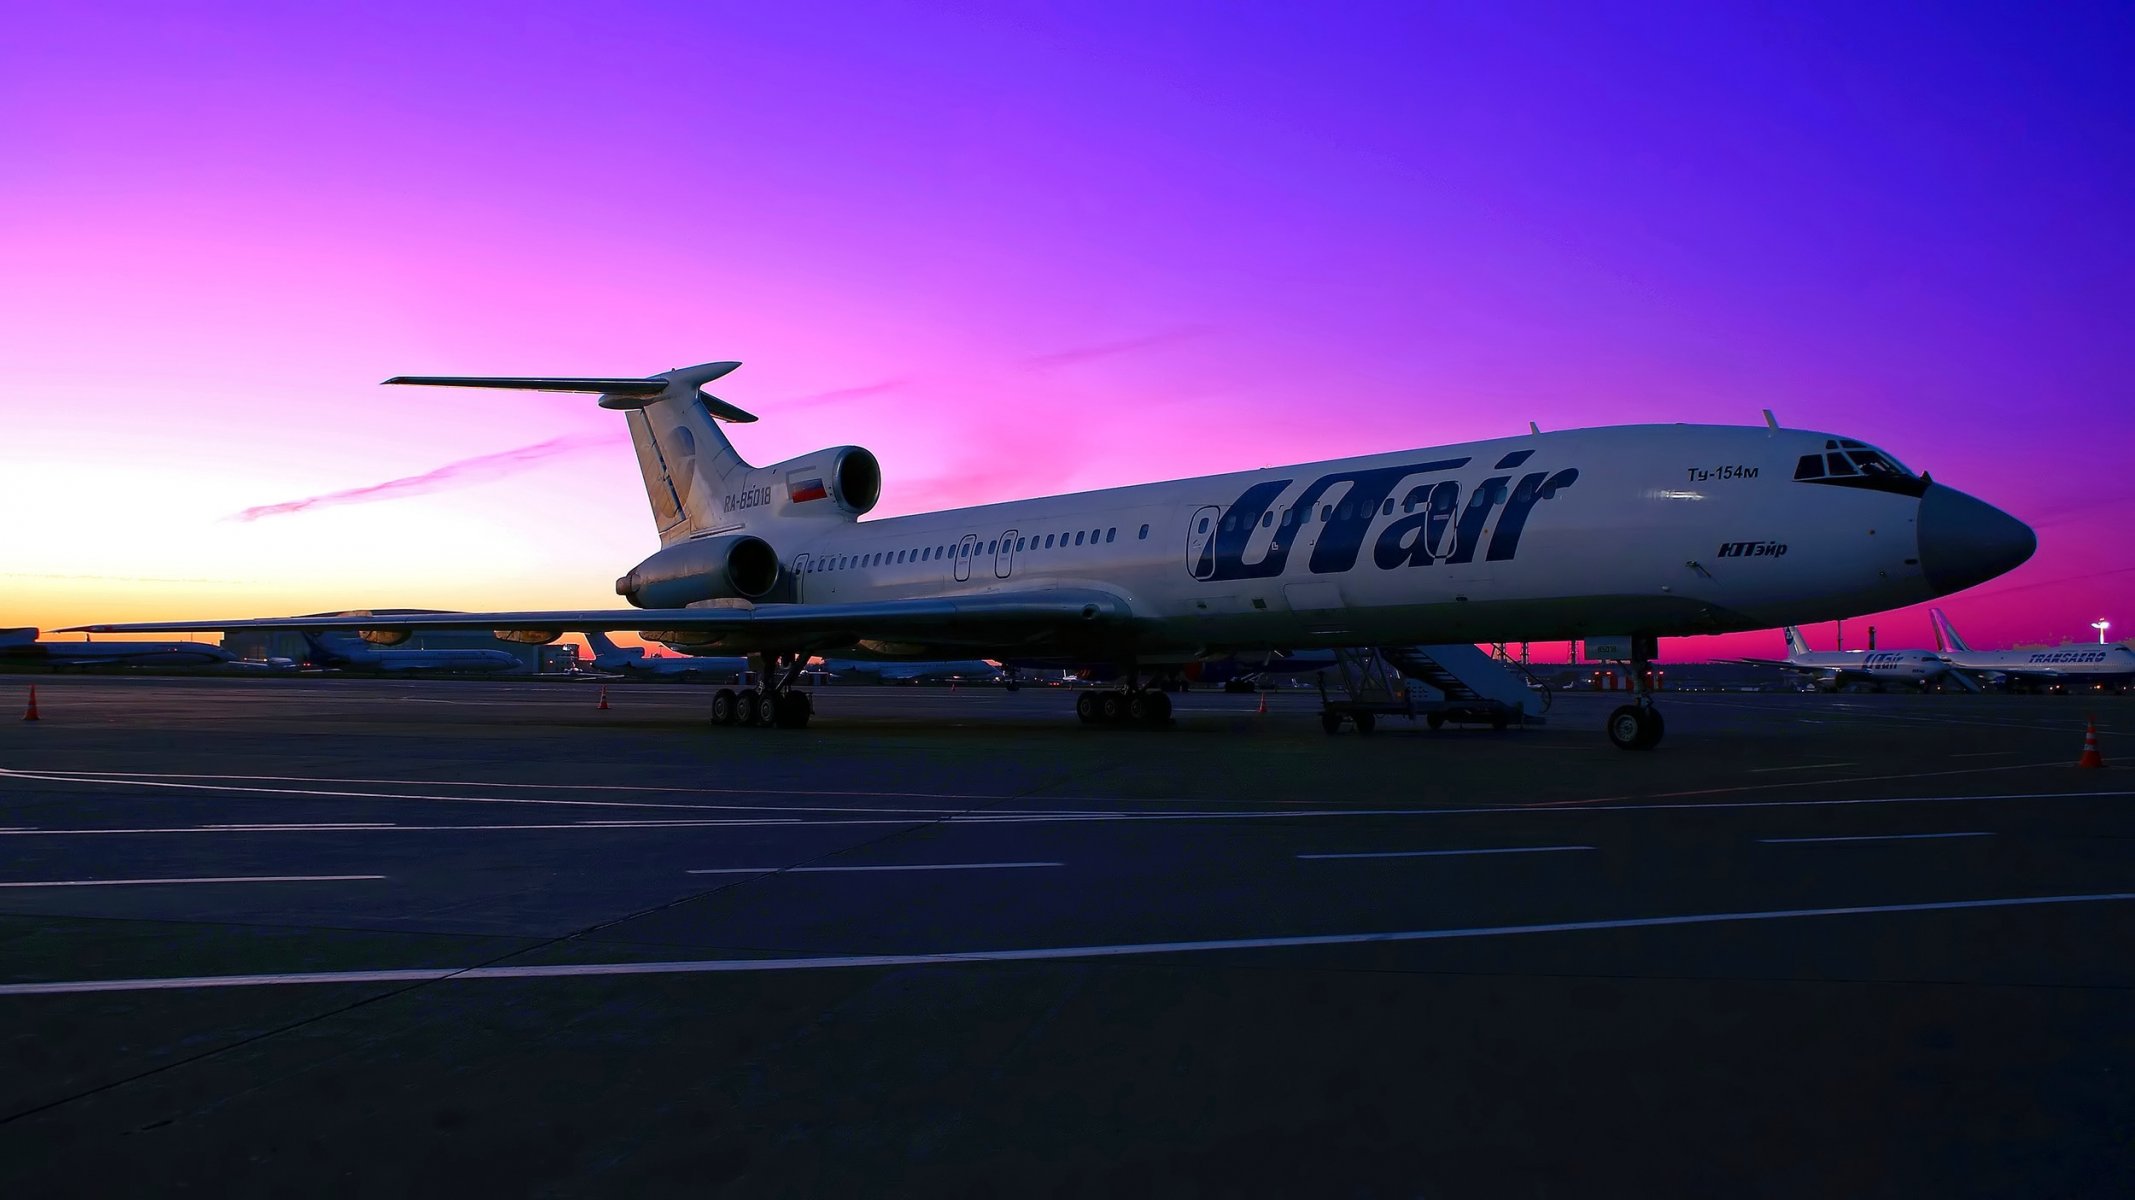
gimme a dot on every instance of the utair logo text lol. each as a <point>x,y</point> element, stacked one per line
<point>1752,549</point>
<point>1437,520</point>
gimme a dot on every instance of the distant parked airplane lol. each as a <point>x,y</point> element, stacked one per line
<point>20,647</point>
<point>633,660</point>
<point>1624,534</point>
<point>960,670</point>
<point>2084,665</point>
<point>1830,670</point>
<point>347,653</point>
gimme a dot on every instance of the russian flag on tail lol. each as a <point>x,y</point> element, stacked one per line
<point>799,490</point>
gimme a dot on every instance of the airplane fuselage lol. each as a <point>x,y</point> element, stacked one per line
<point>1643,529</point>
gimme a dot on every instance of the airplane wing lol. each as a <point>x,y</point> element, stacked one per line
<point>1766,662</point>
<point>985,619</point>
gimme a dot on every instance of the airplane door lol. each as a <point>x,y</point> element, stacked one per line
<point>1004,559</point>
<point>800,574</point>
<point>964,550</point>
<point>1200,542</point>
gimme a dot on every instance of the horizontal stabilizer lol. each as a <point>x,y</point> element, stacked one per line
<point>677,384</point>
<point>606,387</point>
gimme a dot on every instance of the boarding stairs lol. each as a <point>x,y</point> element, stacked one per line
<point>1472,686</point>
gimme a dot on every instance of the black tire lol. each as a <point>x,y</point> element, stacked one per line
<point>1366,722</point>
<point>1499,723</point>
<point>1435,720</point>
<point>746,704</point>
<point>723,707</point>
<point>1139,706</point>
<point>1086,707</point>
<point>1633,727</point>
<point>1159,711</point>
<point>1111,707</point>
<point>771,709</point>
<point>794,710</point>
<point>1330,720</point>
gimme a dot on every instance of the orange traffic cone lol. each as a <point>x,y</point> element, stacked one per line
<point>1263,709</point>
<point>31,714</point>
<point>603,705</point>
<point>2091,757</point>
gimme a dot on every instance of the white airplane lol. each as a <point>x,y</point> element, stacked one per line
<point>632,660</point>
<point>2069,665</point>
<point>962,670</point>
<point>1830,670</point>
<point>20,647</point>
<point>346,653</point>
<point>1626,532</point>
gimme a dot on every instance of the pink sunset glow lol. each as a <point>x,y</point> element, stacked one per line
<point>1018,250</point>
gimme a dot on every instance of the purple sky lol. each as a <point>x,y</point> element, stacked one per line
<point>1022,249</point>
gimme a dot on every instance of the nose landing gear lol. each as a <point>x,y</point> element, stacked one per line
<point>1638,725</point>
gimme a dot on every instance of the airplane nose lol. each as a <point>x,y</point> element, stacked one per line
<point>1964,541</point>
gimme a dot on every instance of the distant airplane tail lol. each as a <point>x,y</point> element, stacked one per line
<point>1946,636</point>
<point>601,644</point>
<point>327,651</point>
<point>1796,644</point>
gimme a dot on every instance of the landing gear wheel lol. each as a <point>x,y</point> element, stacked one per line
<point>1086,707</point>
<point>1139,706</point>
<point>1160,710</point>
<point>723,707</point>
<point>1635,727</point>
<point>1111,707</point>
<point>1365,722</point>
<point>1435,720</point>
<point>1331,721</point>
<point>794,709</point>
<point>771,709</point>
<point>746,705</point>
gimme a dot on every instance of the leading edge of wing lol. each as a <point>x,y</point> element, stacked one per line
<point>1047,607</point>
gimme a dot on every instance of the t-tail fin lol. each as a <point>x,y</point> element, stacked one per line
<point>691,471</point>
<point>601,644</point>
<point>1946,636</point>
<point>1797,645</point>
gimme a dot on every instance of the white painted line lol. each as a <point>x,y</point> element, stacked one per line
<point>1449,853</point>
<point>992,866</point>
<point>69,883</point>
<point>1803,767</point>
<point>572,827</point>
<point>1874,837</point>
<point>285,825</point>
<point>741,965</point>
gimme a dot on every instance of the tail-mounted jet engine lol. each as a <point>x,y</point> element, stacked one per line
<point>715,568</point>
<point>847,477</point>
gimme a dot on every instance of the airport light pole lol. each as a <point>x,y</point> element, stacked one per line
<point>2101,625</point>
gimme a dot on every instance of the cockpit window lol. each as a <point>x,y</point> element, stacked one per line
<point>1848,463</point>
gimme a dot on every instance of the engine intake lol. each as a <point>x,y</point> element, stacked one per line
<point>718,568</point>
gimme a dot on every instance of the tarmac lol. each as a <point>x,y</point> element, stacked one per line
<point>333,936</point>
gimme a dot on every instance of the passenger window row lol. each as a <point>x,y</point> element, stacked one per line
<point>843,562</point>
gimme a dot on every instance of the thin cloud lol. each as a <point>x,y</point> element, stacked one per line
<point>479,469</point>
<point>1082,354</point>
<point>836,395</point>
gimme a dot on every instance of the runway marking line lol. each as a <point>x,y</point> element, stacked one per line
<point>1803,767</point>
<point>1875,837</point>
<point>1053,953</point>
<point>70,883</point>
<point>1447,853</point>
<point>962,820</point>
<point>989,866</point>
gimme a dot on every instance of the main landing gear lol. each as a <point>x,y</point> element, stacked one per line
<point>777,706</point>
<point>1638,725</point>
<point>1138,707</point>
